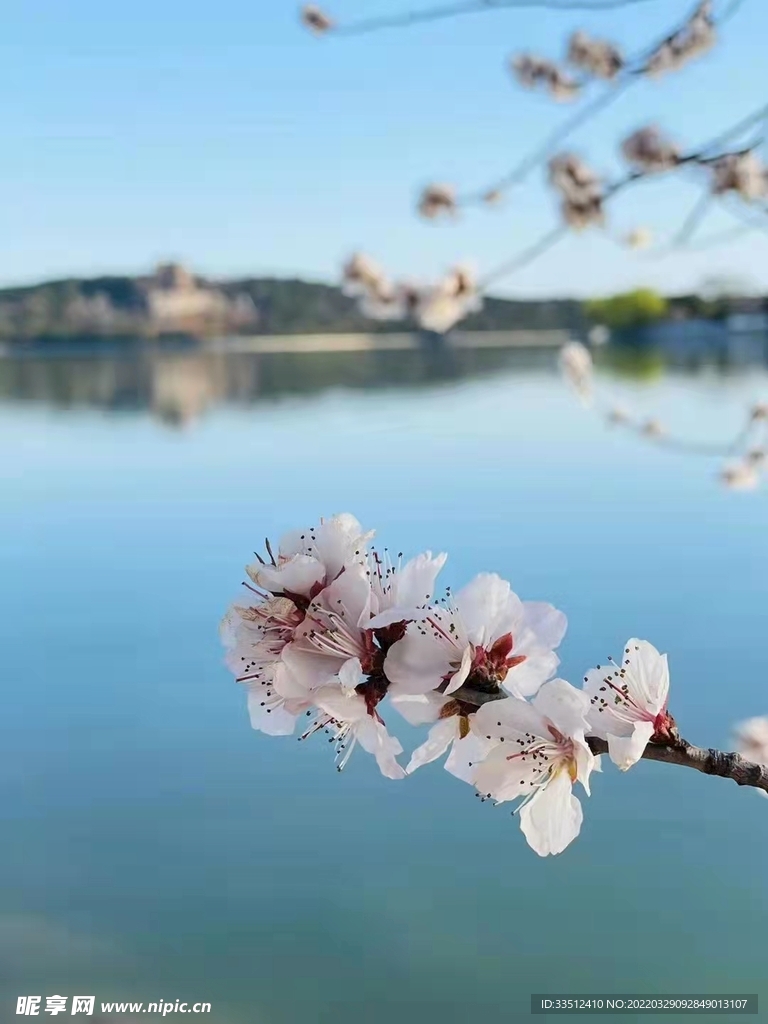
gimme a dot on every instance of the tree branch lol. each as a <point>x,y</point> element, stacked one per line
<point>408,18</point>
<point>709,761</point>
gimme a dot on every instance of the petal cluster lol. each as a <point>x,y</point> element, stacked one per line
<point>331,630</point>
<point>581,191</point>
<point>437,307</point>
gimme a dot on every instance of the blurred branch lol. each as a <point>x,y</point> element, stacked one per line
<point>631,73</point>
<point>408,18</point>
<point>702,156</point>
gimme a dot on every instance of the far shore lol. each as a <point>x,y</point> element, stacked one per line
<point>290,343</point>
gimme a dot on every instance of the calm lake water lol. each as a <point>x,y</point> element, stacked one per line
<point>155,848</point>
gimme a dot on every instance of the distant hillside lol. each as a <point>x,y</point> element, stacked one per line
<point>173,301</point>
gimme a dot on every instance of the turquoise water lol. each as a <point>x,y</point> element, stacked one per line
<point>155,848</point>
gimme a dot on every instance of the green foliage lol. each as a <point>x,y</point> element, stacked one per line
<point>630,309</point>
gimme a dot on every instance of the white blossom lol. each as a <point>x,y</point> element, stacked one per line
<point>315,19</point>
<point>649,151</point>
<point>572,177</point>
<point>629,702</point>
<point>451,729</point>
<point>597,57</point>
<point>335,665</point>
<point>442,306</point>
<point>362,276</point>
<point>437,200</point>
<point>309,559</point>
<point>581,191</point>
<point>532,72</point>
<point>261,629</point>
<point>743,173</point>
<point>576,366</point>
<point>350,719</point>
<point>256,632</point>
<point>740,476</point>
<point>759,412</point>
<point>484,634</point>
<point>539,751</point>
<point>401,592</point>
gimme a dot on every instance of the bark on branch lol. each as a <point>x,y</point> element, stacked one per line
<point>709,761</point>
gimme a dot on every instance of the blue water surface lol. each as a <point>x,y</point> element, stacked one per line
<point>156,848</point>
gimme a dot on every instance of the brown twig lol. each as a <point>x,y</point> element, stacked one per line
<point>709,761</point>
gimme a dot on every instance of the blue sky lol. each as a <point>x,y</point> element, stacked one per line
<point>225,136</point>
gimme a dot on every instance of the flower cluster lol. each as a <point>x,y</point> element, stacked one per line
<point>435,307</point>
<point>596,57</point>
<point>537,72</point>
<point>695,38</point>
<point>330,629</point>
<point>581,191</point>
<point>316,20</point>
<point>743,173</point>
<point>437,201</point>
<point>647,150</point>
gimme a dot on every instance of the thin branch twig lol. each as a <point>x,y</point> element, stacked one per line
<point>709,761</point>
<point>408,18</point>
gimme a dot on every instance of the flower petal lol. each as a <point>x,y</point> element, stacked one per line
<point>440,738</point>
<point>504,775</point>
<point>302,669</point>
<point>525,679</point>
<point>351,675</point>
<point>374,738</point>
<point>466,754</point>
<point>296,576</point>
<point>552,818</point>
<point>649,672</point>
<point>417,663</point>
<point>627,750</point>
<point>488,608</point>
<point>271,717</point>
<point>460,675</point>
<point>340,704</point>
<point>546,622</point>
<point>565,706</point>
<point>350,596</point>
<point>420,709</point>
<point>416,580</point>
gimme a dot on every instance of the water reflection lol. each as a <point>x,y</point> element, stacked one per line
<point>178,386</point>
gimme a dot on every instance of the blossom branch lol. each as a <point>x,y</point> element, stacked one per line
<point>681,752</point>
<point>336,634</point>
<point>627,75</point>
